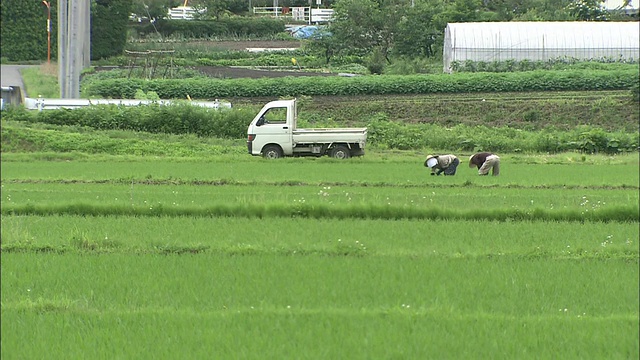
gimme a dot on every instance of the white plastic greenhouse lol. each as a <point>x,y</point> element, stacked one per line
<point>500,41</point>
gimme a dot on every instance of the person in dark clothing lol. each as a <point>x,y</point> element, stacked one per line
<point>439,164</point>
<point>485,161</point>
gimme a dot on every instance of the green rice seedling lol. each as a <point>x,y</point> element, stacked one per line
<point>373,305</point>
<point>113,195</point>
<point>157,258</point>
<point>273,235</point>
<point>308,171</point>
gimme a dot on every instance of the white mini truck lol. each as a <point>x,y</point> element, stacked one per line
<point>273,134</point>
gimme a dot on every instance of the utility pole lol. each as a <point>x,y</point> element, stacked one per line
<point>73,45</point>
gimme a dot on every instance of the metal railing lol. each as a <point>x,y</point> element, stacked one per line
<point>11,95</point>
<point>51,104</point>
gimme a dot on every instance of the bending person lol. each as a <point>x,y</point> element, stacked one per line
<point>485,161</point>
<point>446,164</point>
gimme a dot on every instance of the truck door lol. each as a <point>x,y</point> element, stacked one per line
<point>273,128</point>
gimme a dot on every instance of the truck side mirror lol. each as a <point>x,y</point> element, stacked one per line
<point>260,121</point>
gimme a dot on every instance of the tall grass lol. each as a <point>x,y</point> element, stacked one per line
<point>41,81</point>
<point>365,211</point>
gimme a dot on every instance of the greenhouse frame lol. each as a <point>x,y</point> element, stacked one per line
<point>540,41</point>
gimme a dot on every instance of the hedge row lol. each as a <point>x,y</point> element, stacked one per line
<point>24,32</point>
<point>24,29</point>
<point>578,80</point>
<point>243,27</point>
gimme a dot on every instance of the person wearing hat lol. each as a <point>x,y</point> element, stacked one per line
<point>439,164</point>
<point>485,161</point>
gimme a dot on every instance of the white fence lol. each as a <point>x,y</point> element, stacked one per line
<point>184,13</point>
<point>306,14</point>
<point>298,13</point>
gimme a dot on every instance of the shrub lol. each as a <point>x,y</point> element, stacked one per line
<point>375,63</point>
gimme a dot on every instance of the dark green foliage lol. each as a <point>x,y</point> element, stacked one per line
<point>173,119</point>
<point>243,27</point>
<point>370,85</point>
<point>635,91</point>
<point>393,135</point>
<point>375,63</point>
<point>109,20</point>
<point>24,30</point>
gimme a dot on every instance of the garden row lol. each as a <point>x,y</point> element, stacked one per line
<point>196,54</point>
<point>576,80</point>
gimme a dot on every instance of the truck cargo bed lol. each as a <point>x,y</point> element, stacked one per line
<point>327,135</point>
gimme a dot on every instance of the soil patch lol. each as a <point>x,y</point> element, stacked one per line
<point>225,72</point>
<point>248,44</point>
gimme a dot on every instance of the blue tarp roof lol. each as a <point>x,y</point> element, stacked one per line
<point>308,31</point>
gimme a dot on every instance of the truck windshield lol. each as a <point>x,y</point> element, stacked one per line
<point>275,116</point>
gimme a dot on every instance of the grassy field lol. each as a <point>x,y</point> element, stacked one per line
<point>121,257</point>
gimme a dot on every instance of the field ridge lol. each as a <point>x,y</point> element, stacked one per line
<point>287,183</point>
<point>98,247</point>
<point>321,211</point>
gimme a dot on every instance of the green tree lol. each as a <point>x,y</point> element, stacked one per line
<point>323,43</point>
<point>588,10</point>
<point>216,9</point>
<point>416,32</point>
<point>458,11</point>
<point>355,24</point>
<point>109,20</point>
<point>364,25</point>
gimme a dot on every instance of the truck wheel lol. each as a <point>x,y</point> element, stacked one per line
<point>272,152</point>
<point>340,152</point>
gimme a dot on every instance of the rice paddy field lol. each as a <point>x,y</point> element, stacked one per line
<point>237,257</point>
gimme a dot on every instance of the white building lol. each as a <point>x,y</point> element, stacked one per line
<point>501,41</point>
